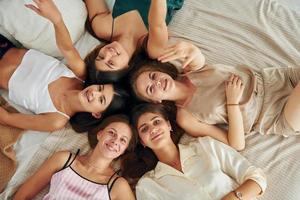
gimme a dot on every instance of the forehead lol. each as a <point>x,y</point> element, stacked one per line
<point>147,117</point>
<point>121,128</point>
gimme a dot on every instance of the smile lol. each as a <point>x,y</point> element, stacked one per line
<point>110,148</point>
<point>156,137</point>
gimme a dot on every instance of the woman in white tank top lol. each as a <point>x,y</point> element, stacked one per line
<point>52,91</point>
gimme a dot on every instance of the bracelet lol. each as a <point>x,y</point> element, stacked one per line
<point>232,104</point>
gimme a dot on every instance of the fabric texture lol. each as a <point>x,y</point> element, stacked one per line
<point>69,184</point>
<point>210,168</point>
<point>28,86</point>
<point>265,95</point>
<point>123,6</point>
<point>8,137</point>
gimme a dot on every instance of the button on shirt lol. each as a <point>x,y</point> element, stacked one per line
<point>210,170</point>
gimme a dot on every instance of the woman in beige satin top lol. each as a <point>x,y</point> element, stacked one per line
<point>266,101</point>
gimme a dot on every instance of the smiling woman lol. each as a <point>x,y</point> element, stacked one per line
<point>51,90</point>
<point>202,168</point>
<point>92,173</point>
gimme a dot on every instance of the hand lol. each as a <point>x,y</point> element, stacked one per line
<point>190,55</point>
<point>3,115</point>
<point>47,9</point>
<point>234,89</point>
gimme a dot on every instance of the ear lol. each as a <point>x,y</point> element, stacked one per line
<point>97,115</point>
<point>98,134</point>
<point>169,125</point>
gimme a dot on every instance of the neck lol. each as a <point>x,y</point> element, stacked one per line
<point>182,92</point>
<point>128,43</point>
<point>169,155</point>
<point>97,162</point>
<point>71,103</point>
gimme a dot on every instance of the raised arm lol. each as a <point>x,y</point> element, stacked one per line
<point>48,10</point>
<point>187,53</point>
<point>158,31</point>
<point>236,134</point>
<point>196,128</point>
<point>42,177</point>
<point>40,122</point>
<point>100,18</point>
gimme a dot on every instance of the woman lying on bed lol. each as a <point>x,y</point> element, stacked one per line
<point>202,168</point>
<point>128,32</point>
<point>269,104</point>
<point>89,176</point>
<point>52,91</point>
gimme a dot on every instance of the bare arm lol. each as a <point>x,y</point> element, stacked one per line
<point>158,31</point>
<point>249,190</point>
<point>100,18</point>
<point>42,177</point>
<point>236,133</point>
<point>121,190</point>
<point>196,128</point>
<point>40,122</point>
<point>47,9</point>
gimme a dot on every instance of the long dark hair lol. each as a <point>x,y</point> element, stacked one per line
<point>141,64</point>
<point>92,134</point>
<point>84,121</point>
<point>143,159</point>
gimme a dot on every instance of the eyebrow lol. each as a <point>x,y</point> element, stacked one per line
<point>153,118</point>
<point>104,99</point>
<point>148,87</point>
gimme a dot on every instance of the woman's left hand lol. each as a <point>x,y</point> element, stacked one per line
<point>47,9</point>
<point>190,55</point>
<point>234,89</point>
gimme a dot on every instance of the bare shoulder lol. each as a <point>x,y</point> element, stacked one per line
<point>60,158</point>
<point>121,190</point>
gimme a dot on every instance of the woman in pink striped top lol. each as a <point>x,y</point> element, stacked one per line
<point>89,176</point>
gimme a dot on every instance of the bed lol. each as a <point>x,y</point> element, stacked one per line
<point>257,33</point>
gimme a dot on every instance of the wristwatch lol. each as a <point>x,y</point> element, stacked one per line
<point>238,194</point>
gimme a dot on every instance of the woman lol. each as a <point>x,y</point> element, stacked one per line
<point>48,88</point>
<point>89,176</point>
<point>266,105</point>
<point>202,168</point>
<point>125,40</point>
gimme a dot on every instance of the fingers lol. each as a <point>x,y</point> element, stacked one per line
<point>187,61</point>
<point>170,51</point>
<point>32,7</point>
<point>235,80</point>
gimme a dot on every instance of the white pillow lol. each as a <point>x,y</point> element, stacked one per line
<point>36,32</point>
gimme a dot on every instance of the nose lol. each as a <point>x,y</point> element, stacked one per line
<point>158,83</point>
<point>154,130</point>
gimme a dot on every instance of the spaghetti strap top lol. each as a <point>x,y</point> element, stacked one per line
<point>69,184</point>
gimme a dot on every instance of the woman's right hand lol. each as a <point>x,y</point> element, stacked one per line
<point>186,52</point>
<point>234,89</point>
<point>47,9</point>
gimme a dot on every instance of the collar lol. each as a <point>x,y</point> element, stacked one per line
<point>163,169</point>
